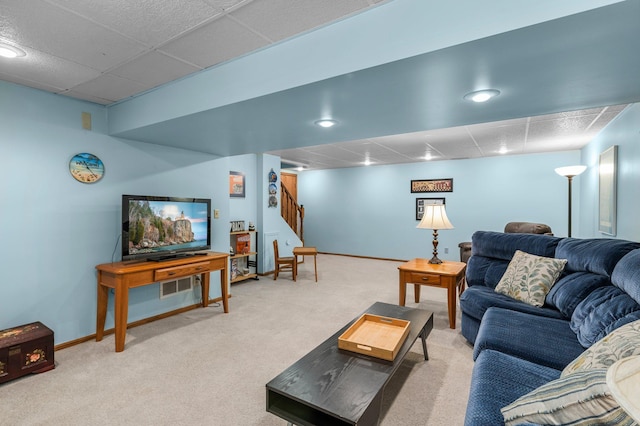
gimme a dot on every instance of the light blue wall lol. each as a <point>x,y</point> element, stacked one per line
<point>55,230</point>
<point>370,211</point>
<point>624,131</point>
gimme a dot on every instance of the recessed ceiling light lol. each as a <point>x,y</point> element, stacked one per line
<point>503,150</point>
<point>482,95</point>
<point>7,51</point>
<point>326,123</point>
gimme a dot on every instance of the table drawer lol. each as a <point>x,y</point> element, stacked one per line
<point>423,278</point>
<point>181,271</point>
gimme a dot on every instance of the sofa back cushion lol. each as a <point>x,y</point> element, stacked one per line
<point>626,275</point>
<point>602,311</point>
<point>590,265</point>
<point>596,255</point>
<point>492,251</point>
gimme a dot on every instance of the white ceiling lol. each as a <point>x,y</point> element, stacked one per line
<point>546,133</point>
<point>105,51</point>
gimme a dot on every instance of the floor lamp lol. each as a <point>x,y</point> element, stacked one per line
<point>570,172</point>
<point>435,217</point>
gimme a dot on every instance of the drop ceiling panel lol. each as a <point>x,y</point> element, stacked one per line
<point>59,73</point>
<point>153,69</point>
<point>110,87</point>
<point>214,43</point>
<point>152,22</point>
<point>265,16</point>
<point>501,134</point>
<point>72,37</point>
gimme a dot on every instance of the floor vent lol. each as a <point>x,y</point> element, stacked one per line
<point>170,288</point>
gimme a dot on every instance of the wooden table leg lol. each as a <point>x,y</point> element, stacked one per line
<point>103,300</point>
<point>121,310</point>
<point>315,265</point>
<point>403,291</point>
<point>451,296</point>
<point>224,290</point>
<point>204,281</point>
<point>416,292</point>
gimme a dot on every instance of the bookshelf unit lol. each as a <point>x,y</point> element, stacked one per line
<point>243,263</point>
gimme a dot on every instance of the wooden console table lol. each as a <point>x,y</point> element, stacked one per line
<point>449,275</point>
<point>121,276</point>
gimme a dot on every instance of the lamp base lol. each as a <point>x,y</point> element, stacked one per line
<point>434,259</point>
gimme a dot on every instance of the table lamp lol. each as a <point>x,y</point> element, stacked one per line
<point>435,217</point>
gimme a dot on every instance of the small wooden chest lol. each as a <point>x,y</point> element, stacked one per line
<point>25,349</point>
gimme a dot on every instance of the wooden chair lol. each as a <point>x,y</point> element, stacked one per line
<point>283,263</point>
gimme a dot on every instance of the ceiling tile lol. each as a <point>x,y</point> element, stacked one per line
<point>216,42</point>
<point>150,22</point>
<point>59,73</point>
<point>154,69</point>
<point>109,87</point>
<point>96,48</point>
<point>266,17</point>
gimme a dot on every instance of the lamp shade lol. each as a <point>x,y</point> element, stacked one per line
<point>435,217</point>
<point>570,171</point>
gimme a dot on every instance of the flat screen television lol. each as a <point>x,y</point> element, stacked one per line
<point>160,228</point>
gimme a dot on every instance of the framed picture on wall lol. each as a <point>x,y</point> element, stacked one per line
<point>421,202</point>
<point>236,184</point>
<point>432,185</point>
<point>607,187</point>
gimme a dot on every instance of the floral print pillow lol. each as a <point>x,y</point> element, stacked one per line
<point>620,343</point>
<point>529,278</point>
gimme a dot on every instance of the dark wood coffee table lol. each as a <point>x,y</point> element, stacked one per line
<point>331,386</point>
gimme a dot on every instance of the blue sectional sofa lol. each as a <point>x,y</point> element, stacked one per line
<point>519,347</point>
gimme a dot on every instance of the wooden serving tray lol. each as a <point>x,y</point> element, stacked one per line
<point>374,335</point>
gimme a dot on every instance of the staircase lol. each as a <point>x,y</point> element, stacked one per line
<point>291,212</point>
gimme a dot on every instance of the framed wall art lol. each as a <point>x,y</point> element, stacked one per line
<point>432,185</point>
<point>607,187</point>
<point>421,202</point>
<point>236,184</point>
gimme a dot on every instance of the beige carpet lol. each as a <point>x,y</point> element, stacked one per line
<point>206,367</point>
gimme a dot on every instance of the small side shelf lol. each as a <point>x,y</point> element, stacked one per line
<point>244,261</point>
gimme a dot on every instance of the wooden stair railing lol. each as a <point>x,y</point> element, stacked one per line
<point>291,212</point>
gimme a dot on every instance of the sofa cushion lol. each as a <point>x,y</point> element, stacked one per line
<point>626,275</point>
<point>597,255</point>
<point>580,398</point>
<point>572,289</point>
<point>507,378</point>
<point>620,343</point>
<point>476,300</point>
<point>492,251</point>
<point>513,332</point>
<point>601,312</point>
<point>529,278</point>
<point>485,271</point>
<point>502,246</point>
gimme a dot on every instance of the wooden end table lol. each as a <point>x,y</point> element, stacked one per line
<point>449,275</point>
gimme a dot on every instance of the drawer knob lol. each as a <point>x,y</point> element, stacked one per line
<point>171,273</point>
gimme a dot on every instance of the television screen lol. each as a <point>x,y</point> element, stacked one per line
<point>157,228</point>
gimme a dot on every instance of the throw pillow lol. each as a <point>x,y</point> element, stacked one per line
<point>620,343</point>
<point>581,398</point>
<point>529,278</point>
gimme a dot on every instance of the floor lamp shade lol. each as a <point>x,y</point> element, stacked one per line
<point>435,218</point>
